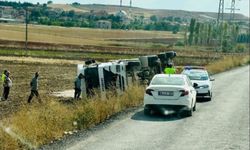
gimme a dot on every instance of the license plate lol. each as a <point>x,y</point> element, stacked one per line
<point>166,93</point>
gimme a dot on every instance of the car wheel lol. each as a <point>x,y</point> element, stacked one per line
<point>210,98</point>
<point>194,108</point>
<point>147,111</point>
<point>189,113</point>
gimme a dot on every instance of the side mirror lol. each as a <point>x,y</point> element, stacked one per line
<point>212,79</point>
<point>195,85</point>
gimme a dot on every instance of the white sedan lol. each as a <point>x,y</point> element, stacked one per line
<point>170,92</point>
<point>200,76</point>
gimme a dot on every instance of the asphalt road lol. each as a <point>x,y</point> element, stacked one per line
<point>221,124</point>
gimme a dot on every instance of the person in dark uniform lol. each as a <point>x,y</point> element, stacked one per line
<point>6,84</point>
<point>78,86</point>
<point>34,88</point>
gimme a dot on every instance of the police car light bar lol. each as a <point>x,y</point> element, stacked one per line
<point>193,67</point>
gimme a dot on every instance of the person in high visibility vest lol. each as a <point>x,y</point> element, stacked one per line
<point>169,69</point>
<point>3,79</point>
<point>4,75</point>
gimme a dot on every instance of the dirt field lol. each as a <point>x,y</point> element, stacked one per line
<point>54,77</point>
<point>76,36</point>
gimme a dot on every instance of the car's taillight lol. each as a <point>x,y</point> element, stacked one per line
<point>184,92</point>
<point>149,92</point>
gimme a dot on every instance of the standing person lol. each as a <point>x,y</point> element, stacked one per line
<point>4,75</point>
<point>78,84</point>
<point>169,69</point>
<point>7,84</point>
<point>3,78</point>
<point>34,88</point>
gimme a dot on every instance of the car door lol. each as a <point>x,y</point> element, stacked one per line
<point>192,89</point>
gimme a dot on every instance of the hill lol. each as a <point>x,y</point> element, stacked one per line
<point>112,9</point>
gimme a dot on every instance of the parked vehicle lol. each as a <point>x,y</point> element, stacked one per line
<point>200,76</point>
<point>170,92</point>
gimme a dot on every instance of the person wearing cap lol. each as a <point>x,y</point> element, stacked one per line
<point>6,85</point>
<point>169,69</point>
<point>78,84</point>
<point>34,88</point>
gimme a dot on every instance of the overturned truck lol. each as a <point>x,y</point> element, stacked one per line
<point>118,75</point>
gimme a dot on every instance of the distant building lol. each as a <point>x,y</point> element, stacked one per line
<point>147,21</point>
<point>6,11</point>
<point>9,14</point>
<point>103,24</point>
<point>124,17</point>
<point>244,30</point>
<point>6,20</point>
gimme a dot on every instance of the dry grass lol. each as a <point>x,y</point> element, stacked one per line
<point>66,7</point>
<point>38,60</point>
<point>7,142</point>
<point>39,124</point>
<point>227,63</point>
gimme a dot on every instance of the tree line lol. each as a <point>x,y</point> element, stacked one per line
<point>16,5</point>
<point>42,14</point>
<point>224,35</point>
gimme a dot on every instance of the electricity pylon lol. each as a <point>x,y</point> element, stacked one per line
<point>221,11</point>
<point>232,10</point>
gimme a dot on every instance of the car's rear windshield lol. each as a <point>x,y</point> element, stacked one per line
<point>197,75</point>
<point>168,81</point>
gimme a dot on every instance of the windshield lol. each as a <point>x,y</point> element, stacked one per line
<point>167,81</point>
<point>197,75</point>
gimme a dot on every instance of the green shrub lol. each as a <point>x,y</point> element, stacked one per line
<point>240,48</point>
<point>179,43</point>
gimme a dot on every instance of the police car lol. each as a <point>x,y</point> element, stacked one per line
<point>199,76</point>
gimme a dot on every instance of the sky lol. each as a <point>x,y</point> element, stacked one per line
<point>192,5</point>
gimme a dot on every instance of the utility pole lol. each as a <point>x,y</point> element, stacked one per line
<point>130,8</point>
<point>2,11</point>
<point>219,21</point>
<point>120,3</point>
<point>232,11</point>
<point>221,11</point>
<point>26,29</point>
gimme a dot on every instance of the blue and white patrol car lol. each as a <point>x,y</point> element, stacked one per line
<point>200,76</point>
